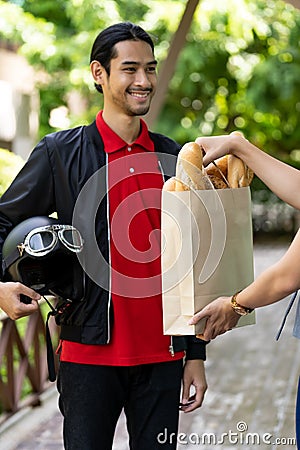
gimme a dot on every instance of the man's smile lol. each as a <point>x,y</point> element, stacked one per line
<point>139,94</point>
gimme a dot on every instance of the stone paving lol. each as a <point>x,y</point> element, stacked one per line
<point>251,396</point>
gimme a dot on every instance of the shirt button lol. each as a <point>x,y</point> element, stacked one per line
<point>129,149</point>
<point>131,170</point>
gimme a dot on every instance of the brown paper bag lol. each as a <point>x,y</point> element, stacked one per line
<point>207,252</point>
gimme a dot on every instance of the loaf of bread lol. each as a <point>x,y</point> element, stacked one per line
<point>170,184</point>
<point>218,183</point>
<point>239,174</point>
<point>217,172</point>
<point>189,167</point>
<point>181,186</point>
<point>220,165</point>
<point>229,171</point>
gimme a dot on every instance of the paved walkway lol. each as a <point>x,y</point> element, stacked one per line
<point>249,404</point>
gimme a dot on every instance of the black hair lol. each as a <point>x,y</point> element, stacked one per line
<point>104,50</point>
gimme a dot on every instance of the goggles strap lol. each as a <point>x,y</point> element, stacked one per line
<point>50,306</point>
<point>50,353</point>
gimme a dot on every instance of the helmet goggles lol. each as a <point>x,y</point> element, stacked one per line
<point>42,253</point>
<point>42,240</point>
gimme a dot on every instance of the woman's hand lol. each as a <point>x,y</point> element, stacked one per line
<point>217,146</point>
<point>220,318</point>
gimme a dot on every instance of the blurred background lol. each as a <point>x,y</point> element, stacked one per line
<point>223,66</point>
<point>230,65</point>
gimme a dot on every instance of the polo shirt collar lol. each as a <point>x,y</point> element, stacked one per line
<point>112,142</point>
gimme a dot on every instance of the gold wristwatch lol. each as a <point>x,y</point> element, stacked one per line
<point>239,309</point>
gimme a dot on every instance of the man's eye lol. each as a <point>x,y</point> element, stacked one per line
<point>129,69</point>
<point>151,69</point>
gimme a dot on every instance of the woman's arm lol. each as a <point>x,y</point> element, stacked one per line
<point>275,283</point>
<point>281,178</point>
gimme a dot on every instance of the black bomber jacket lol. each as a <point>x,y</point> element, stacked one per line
<point>51,180</point>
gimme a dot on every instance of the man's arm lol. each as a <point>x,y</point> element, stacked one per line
<point>194,374</point>
<point>30,194</point>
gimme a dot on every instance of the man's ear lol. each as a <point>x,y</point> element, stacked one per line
<point>98,72</point>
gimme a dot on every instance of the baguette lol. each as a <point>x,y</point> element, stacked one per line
<point>189,167</point>
<point>217,182</point>
<point>239,174</point>
<point>233,169</point>
<point>222,165</point>
<point>181,186</point>
<point>217,172</point>
<point>170,184</point>
<point>227,171</point>
<point>174,184</point>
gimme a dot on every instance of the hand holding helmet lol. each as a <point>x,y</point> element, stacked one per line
<point>10,293</point>
<point>40,253</point>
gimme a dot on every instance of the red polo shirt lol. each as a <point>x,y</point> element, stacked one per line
<point>135,183</point>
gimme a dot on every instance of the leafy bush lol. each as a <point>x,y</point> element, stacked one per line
<point>10,165</point>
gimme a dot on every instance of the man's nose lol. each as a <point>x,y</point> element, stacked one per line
<point>142,78</point>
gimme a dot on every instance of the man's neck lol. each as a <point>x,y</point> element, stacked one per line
<point>127,127</point>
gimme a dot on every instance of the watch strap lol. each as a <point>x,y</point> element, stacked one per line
<point>238,308</point>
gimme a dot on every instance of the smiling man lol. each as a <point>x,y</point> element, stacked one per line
<point>113,354</point>
<point>129,84</point>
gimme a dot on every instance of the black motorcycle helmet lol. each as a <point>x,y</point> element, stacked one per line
<point>40,252</point>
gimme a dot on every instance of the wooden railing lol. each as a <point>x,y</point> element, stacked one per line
<point>23,362</point>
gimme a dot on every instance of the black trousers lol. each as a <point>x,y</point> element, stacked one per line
<point>92,398</point>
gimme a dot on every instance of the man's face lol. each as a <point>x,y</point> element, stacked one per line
<point>132,80</point>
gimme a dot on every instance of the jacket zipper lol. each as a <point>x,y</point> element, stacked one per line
<point>161,170</point>
<point>109,253</point>
<point>171,347</point>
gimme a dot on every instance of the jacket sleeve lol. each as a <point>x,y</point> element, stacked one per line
<point>30,194</point>
<point>196,348</point>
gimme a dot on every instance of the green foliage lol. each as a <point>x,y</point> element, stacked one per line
<point>132,10</point>
<point>238,70</point>
<point>10,164</point>
<point>55,12</point>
